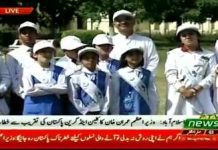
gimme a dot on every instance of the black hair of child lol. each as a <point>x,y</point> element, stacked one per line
<point>82,56</point>
<point>123,62</point>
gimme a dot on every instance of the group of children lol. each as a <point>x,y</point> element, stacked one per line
<point>86,81</point>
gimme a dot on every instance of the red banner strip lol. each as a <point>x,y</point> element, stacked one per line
<point>99,139</point>
<point>16,10</point>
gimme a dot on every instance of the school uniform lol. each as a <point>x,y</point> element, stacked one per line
<point>16,61</point>
<point>41,88</point>
<point>133,92</point>
<point>67,63</point>
<point>89,92</point>
<point>109,66</point>
<point>151,57</point>
<point>189,69</point>
<point>69,43</point>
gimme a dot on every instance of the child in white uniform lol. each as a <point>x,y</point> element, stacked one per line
<point>133,89</point>
<point>70,45</point>
<point>43,82</point>
<point>88,87</point>
<point>103,44</point>
<point>189,74</point>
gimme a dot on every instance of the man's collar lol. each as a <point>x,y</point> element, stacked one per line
<point>124,36</point>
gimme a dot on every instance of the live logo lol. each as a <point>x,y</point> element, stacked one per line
<point>11,10</point>
<point>16,10</point>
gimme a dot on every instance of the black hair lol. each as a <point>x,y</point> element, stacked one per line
<point>123,62</point>
<point>81,56</point>
<point>178,36</point>
<point>30,28</point>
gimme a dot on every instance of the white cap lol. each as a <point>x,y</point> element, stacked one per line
<point>41,45</point>
<point>29,25</point>
<point>126,49</point>
<point>186,26</point>
<point>87,49</point>
<point>122,12</point>
<point>101,39</point>
<point>71,43</point>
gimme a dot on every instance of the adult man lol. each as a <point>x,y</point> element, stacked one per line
<point>124,22</point>
<point>17,60</point>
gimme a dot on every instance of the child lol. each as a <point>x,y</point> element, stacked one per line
<point>88,87</point>
<point>43,82</point>
<point>4,85</point>
<point>70,45</point>
<point>103,44</point>
<point>189,73</point>
<point>133,87</point>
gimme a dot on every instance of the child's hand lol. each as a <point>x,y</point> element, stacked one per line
<point>3,89</point>
<point>187,92</point>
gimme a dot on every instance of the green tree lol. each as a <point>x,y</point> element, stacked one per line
<point>102,8</point>
<point>56,13</point>
<point>167,10</point>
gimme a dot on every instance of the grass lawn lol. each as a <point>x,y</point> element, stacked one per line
<point>160,79</point>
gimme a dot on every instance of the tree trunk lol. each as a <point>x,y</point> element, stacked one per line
<point>80,22</point>
<point>111,28</point>
<point>149,29</point>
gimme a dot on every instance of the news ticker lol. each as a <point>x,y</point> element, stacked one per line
<point>108,131</point>
<point>16,10</point>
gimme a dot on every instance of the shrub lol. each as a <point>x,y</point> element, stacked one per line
<point>86,36</point>
<point>7,38</point>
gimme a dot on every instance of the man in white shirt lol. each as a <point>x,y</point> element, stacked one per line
<point>124,22</point>
<point>17,60</point>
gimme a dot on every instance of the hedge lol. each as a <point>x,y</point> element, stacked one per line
<point>171,37</point>
<point>86,36</point>
<point>7,38</point>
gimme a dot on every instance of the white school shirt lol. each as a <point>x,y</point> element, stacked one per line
<point>66,63</point>
<point>153,97</point>
<point>4,77</point>
<point>189,69</point>
<point>75,80</point>
<point>151,57</point>
<point>103,66</point>
<point>47,86</point>
<point>16,61</point>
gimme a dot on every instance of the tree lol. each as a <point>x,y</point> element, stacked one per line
<point>167,10</point>
<point>102,8</point>
<point>57,15</point>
